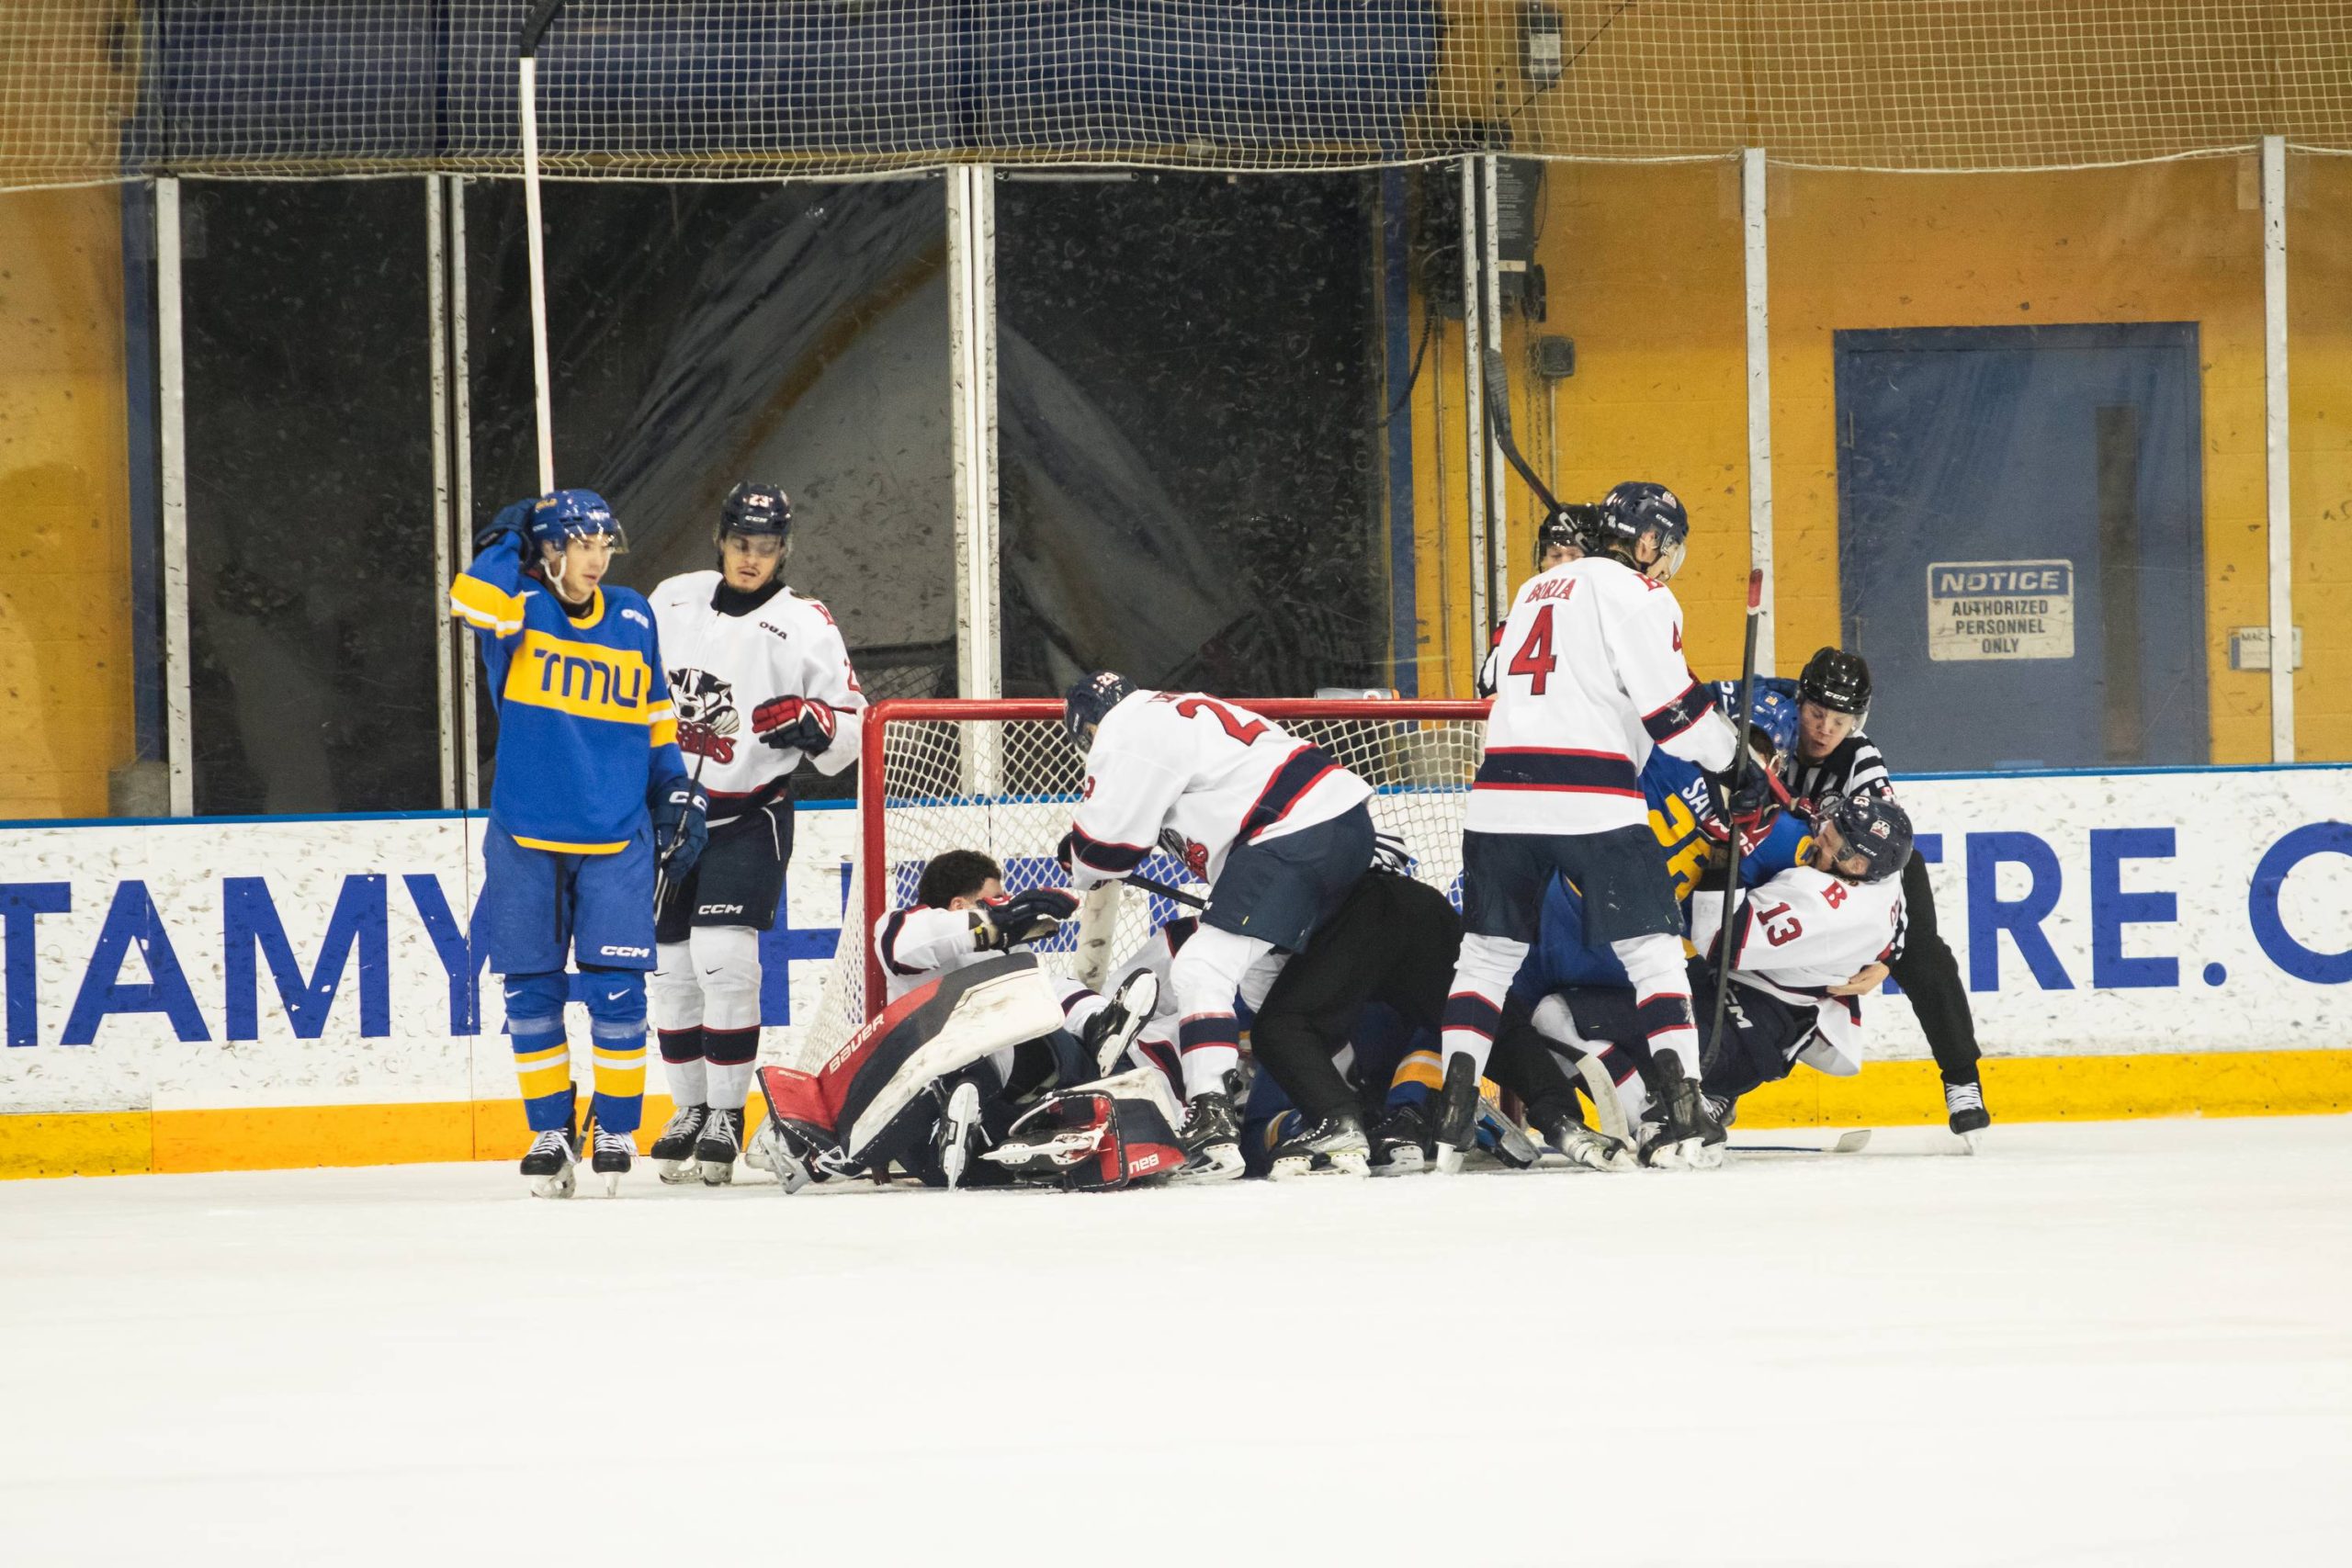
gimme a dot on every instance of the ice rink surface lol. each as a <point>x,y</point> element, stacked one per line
<point>2115,1344</point>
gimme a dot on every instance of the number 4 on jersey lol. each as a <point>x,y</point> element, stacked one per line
<point>1535,658</point>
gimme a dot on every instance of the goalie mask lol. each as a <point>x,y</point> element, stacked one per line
<point>1097,1137</point>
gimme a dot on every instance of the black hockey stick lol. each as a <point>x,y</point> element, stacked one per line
<point>661,865</point>
<point>1498,421</point>
<point>1739,761</point>
<point>1174,894</point>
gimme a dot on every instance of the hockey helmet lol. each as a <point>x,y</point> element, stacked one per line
<point>1088,702</point>
<point>1872,827</point>
<point>1838,680</point>
<point>1571,526</point>
<point>1774,714</point>
<point>1637,510</point>
<point>568,515</point>
<point>756,511</point>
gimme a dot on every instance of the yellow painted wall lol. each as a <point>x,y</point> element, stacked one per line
<point>2319,396</point>
<point>65,674</point>
<point>1645,269</point>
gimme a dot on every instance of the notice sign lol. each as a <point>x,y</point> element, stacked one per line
<point>2001,609</point>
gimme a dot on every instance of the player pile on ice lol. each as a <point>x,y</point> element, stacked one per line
<point>1603,801</point>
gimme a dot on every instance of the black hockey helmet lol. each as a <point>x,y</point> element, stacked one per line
<point>1637,509</point>
<point>756,511</point>
<point>1838,680</point>
<point>1089,701</point>
<point>1571,524</point>
<point>1871,826</point>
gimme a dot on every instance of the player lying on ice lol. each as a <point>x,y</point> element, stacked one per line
<point>1805,943</point>
<point>590,796</point>
<point>970,1040</point>
<point>1276,827</point>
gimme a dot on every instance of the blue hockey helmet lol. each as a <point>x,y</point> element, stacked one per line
<point>568,515</point>
<point>1086,704</point>
<point>1637,510</point>
<point>1871,827</point>
<point>756,511</point>
<point>1774,714</point>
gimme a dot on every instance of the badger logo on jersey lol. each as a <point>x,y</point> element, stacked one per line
<point>707,717</point>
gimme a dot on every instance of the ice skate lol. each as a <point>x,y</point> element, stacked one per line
<point>1111,1032</point>
<point>1565,1131</point>
<point>548,1164</point>
<point>722,1141</point>
<point>1400,1141</point>
<point>674,1151</point>
<point>1964,1108</point>
<point>1677,1131</point>
<point>613,1154</point>
<point>1212,1146</point>
<point>958,1130</point>
<point>1456,1132</point>
<point>1336,1143</point>
<point>1507,1139</point>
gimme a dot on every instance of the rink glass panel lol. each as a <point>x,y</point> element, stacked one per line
<point>2319,360</point>
<point>1189,399</point>
<point>312,601</point>
<point>2019,455</point>
<point>704,335</point>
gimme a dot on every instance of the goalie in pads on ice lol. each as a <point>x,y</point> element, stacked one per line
<point>953,1077</point>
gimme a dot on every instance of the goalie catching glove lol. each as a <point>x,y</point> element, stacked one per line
<point>1006,921</point>
<point>794,724</point>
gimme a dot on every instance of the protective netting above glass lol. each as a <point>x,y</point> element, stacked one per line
<point>96,90</point>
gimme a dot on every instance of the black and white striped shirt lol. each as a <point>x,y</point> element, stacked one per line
<point>1854,764</point>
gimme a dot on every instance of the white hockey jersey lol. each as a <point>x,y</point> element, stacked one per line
<point>1802,932</point>
<point>722,666</point>
<point>1588,677</point>
<point>1205,772</point>
<point>919,944</point>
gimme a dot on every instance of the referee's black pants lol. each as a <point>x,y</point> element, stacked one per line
<point>1930,978</point>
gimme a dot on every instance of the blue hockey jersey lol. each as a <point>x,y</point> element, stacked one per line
<point>585,729</point>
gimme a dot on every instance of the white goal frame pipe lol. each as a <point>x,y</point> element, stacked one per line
<point>2278,473</point>
<point>171,378</point>
<point>971,339</point>
<point>1753,176</point>
<point>527,70</point>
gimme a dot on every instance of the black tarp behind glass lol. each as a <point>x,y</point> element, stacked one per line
<point>1187,403</point>
<point>704,335</point>
<point>312,604</point>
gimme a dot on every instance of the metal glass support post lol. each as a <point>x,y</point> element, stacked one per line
<point>172,451</point>
<point>2274,388</point>
<point>1760,400</point>
<point>1473,405</point>
<point>462,441</point>
<point>971,345</point>
<point>1490,277</point>
<point>436,320</point>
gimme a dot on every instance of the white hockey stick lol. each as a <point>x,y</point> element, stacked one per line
<point>527,74</point>
<point>1847,1142</point>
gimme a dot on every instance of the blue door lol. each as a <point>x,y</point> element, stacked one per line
<point>2021,543</point>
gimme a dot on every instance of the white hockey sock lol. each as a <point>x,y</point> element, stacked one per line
<point>1205,1067</point>
<point>1474,1005</point>
<point>1661,997</point>
<point>730,1084</point>
<point>686,1082</point>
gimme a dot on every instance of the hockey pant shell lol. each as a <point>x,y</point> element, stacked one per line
<point>1629,907</point>
<point>1211,971</point>
<point>738,880</point>
<point>1929,976</point>
<point>706,996</point>
<point>539,908</point>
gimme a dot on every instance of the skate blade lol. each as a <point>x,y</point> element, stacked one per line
<point>557,1186</point>
<point>1290,1168</point>
<point>1219,1162</point>
<point>1973,1143</point>
<point>713,1174</point>
<point>1593,1157</point>
<point>677,1172</point>
<point>1448,1161</point>
<point>1707,1156</point>
<point>612,1184</point>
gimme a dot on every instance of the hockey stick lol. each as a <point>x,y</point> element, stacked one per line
<point>661,865</point>
<point>1739,777</point>
<point>1844,1144</point>
<point>1498,421</point>
<point>526,73</point>
<point>1173,895</point>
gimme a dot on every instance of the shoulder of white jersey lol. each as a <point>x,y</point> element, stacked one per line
<point>1129,711</point>
<point>629,604</point>
<point>686,589</point>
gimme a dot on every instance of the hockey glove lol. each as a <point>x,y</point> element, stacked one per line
<point>1007,922</point>
<point>791,724</point>
<point>509,523</point>
<point>1067,851</point>
<point>679,830</point>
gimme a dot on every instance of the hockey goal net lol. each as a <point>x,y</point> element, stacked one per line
<point>1000,777</point>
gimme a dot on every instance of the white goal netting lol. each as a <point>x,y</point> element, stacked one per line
<point>1000,777</point>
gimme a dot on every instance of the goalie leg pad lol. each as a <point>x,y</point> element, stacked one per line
<point>1097,1137</point>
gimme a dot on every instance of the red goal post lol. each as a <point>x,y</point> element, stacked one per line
<point>1000,776</point>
